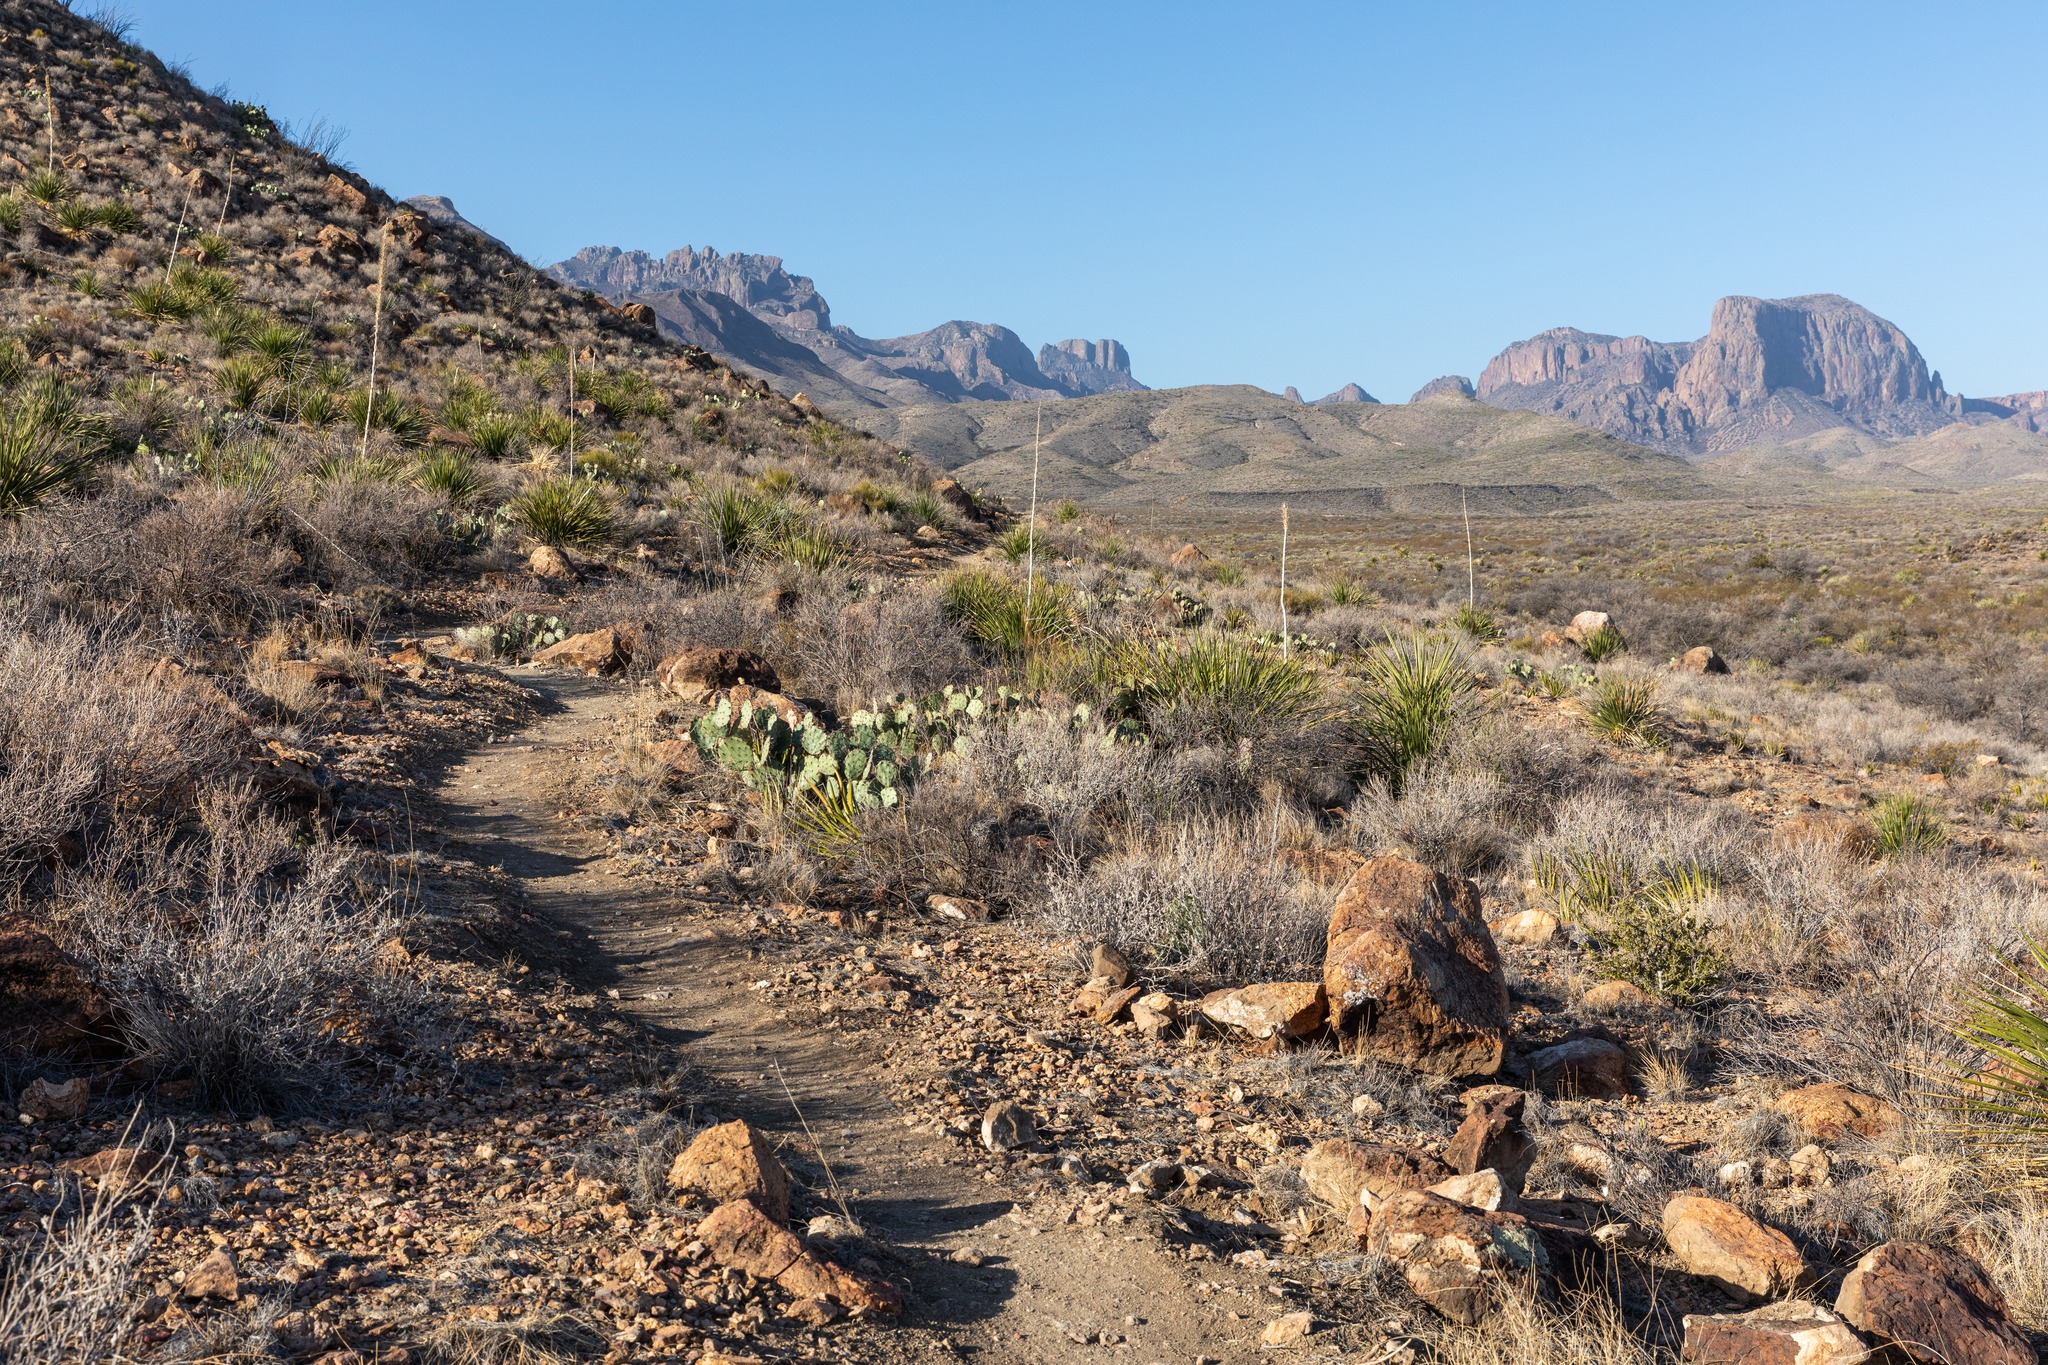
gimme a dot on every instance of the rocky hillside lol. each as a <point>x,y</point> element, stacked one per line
<point>1225,443</point>
<point>1768,372</point>
<point>802,348</point>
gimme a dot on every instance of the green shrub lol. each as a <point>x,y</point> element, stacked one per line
<point>204,287</point>
<point>1067,511</point>
<point>1627,709</point>
<point>565,513</point>
<point>284,349</point>
<point>549,430</point>
<point>1654,940</point>
<point>318,408</point>
<point>810,547</point>
<point>1016,544</point>
<point>13,216</point>
<point>119,219</point>
<point>1416,690</point>
<point>87,282</point>
<point>928,509</point>
<point>993,610</point>
<point>76,219</point>
<point>159,301</point>
<point>1603,644</point>
<point>624,394</point>
<point>1907,823</point>
<point>211,248</point>
<point>742,521</point>
<point>453,475</point>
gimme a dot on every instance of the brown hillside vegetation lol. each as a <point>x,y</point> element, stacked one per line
<point>573,856</point>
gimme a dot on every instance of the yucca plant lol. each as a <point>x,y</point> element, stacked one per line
<point>210,248</point>
<point>1417,688</point>
<point>77,220</point>
<point>46,445</point>
<point>741,520</point>
<point>927,508</point>
<point>88,283</point>
<point>453,475</point>
<point>1211,687</point>
<point>1907,823</point>
<point>47,187</point>
<point>243,381</point>
<point>550,430</point>
<point>994,611</point>
<point>811,547</point>
<point>204,287</point>
<point>118,218</point>
<point>2006,1020</point>
<point>318,408</point>
<point>159,301</point>
<point>1603,644</point>
<point>1067,511</point>
<point>388,413</point>
<point>493,435</point>
<point>282,348</point>
<point>565,513</point>
<point>230,328</point>
<point>1016,543</point>
<point>1477,622</point>
<point>356,468</point>
<point>13,216</point>
<point>1627,709</point>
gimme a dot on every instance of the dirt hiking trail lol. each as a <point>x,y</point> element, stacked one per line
<point>1042,1294</point>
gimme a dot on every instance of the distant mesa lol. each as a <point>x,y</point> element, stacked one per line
<point>1769,372</point>
<point>754,313</point>
<point>1451,383</point>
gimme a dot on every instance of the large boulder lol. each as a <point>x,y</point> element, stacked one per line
<point>1932,1304</point>
<point>1790,1333</point>
<point>602,652</point>
<point>1581,1068</point>
<point>697,672</point>
<point>740,1235</point>
<point>1586,625</point>
<point>1450,1253</point>
<point>732,1161</point>
<point>1719,1242</point>
<point>1275,1009</point>
<point>1352,1175</point>
<point>1700,659</point>
<point>1832,1110</point>
<point>1412,973</point>
<point>1492,1137</point>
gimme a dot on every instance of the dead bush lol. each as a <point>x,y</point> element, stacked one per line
<point>68,1295</point>
<point>239,960</point>
<point>90,734</point>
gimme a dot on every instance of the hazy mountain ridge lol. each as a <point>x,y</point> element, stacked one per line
<point>956,361</point>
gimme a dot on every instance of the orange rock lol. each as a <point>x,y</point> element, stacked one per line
<point>1719,1242</point>
<point>732,1161</point>
<point>1830,1110</point>
<point>1279,1009</point>
<point>739,1234</point>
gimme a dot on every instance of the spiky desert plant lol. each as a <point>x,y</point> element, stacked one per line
<point>159,301</point>
<point>1417,687</point>
<point>76,219</point>
<point>493,435</point>
<point>1627,709</point>
<point>1603,644</point>
<point>810,547</point>
<point>118,218</point>
<point>283,348</point>
<point>48,187</point>
<point>46,445</point>
<point>565,513</point>
<point>12,214</point>
<point>1212,686</point>
<point>453,475</point>
<point>386,412</point>
<point>243,381</point>
<point>993,610</point>
<point>2006,1095</point>
<point>318,408</point>
<point>1477,622</point>
<point>1908,823</point>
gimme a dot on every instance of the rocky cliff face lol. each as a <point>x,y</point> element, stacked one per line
<point>757,283</point>
<point>1084,367</point>
<point>1768,371</point>
<point>751,311</point>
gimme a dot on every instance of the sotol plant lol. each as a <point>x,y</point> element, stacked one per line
<point>46,445</point>
<point>2007,1095</point>
<point>1627,709</point>
<point>566,513</point>
<point>1417,688</point>
<point>1907,823</point>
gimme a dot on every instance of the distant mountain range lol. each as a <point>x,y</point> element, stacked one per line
<point>1768,373</point>
<point>749,310</point>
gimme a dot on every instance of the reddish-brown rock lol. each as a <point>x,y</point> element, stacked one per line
<point>739,1234</point>
<point>1450,1253</point>
<point>216,1277</point>
<point>45,1099</point>
<point>1700,659</point>
<point>1492,1136</point>
<point>1349,1175</point>
<point>1791,1333</point>
<point>700,670</point>
<point>1412,973</point>
<point>1832,1110</point>
<point>1933,1304</point>
<point>1276,1009</point>
<point>602,652</point>
<point>732,1161</point>
<point>46,1004</point>
<point>1719,1242</point>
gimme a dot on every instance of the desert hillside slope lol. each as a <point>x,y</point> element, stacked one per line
<point>1232,444</point>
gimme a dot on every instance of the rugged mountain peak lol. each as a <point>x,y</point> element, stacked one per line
<point>439,208</point>
<point>1768,371</point>
<point>1084,367</point>
<point>757,283</point>
<point>1350,393</point>
<point>1451,383</point>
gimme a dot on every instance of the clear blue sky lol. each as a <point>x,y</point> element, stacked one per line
<point>1273,194</point>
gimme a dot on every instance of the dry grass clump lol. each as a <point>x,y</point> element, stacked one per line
<point>240,961</point>
<point>69,1294</point>
<point>539,1338</point>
